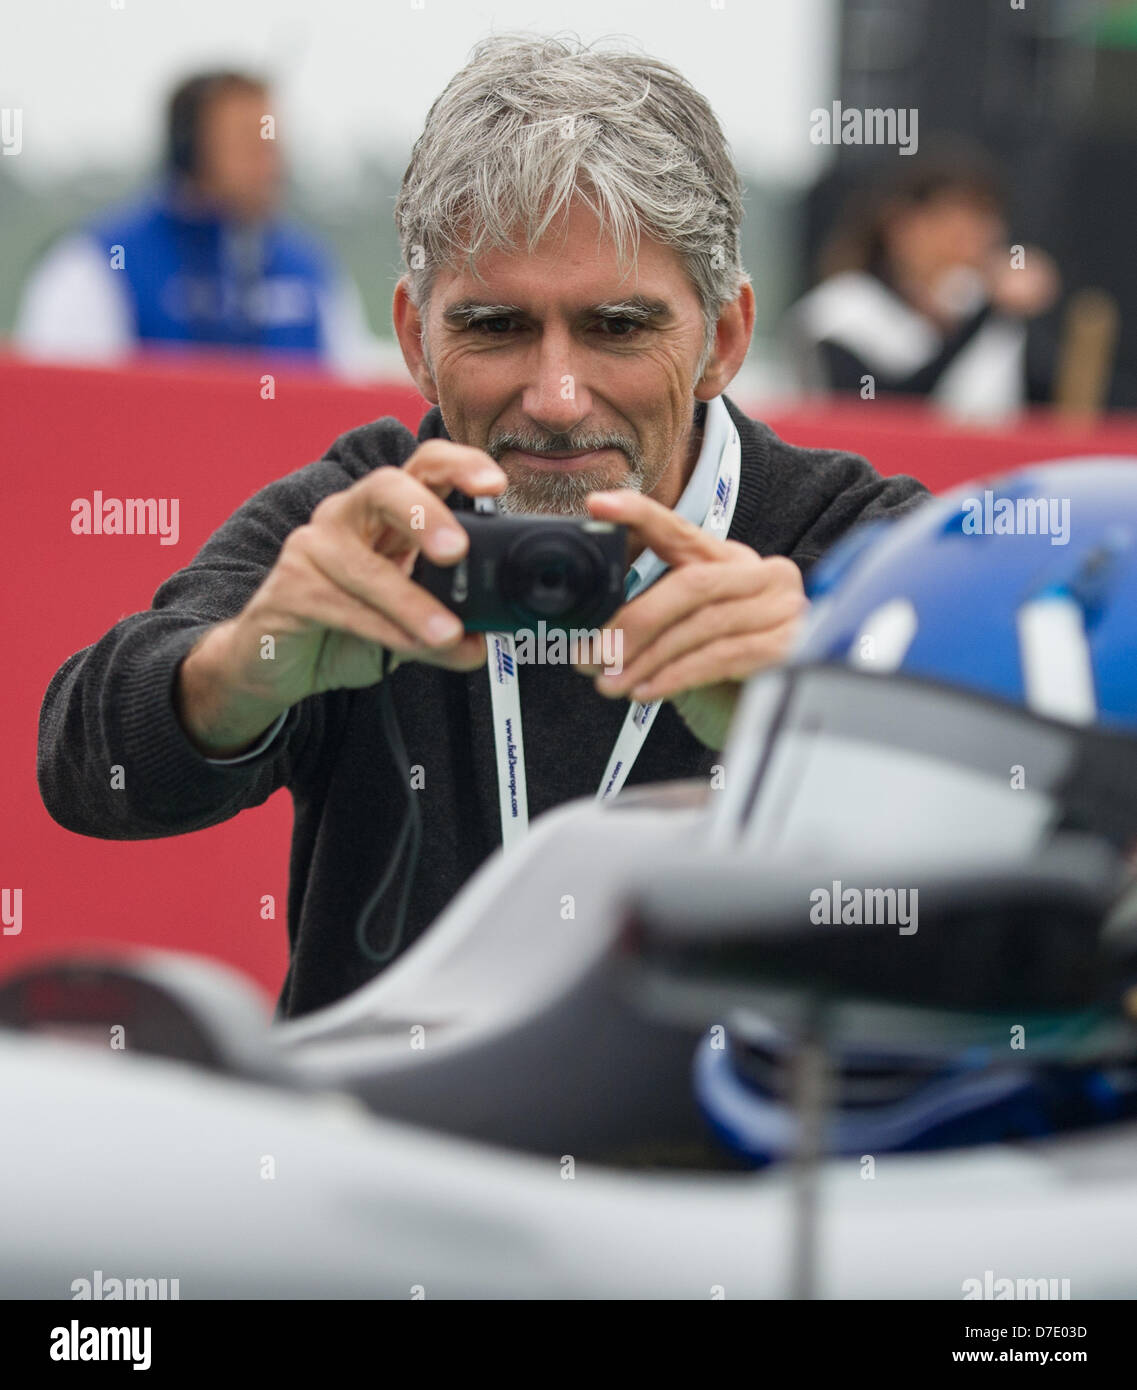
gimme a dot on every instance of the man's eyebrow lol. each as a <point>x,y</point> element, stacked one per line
<point>470,310</point>
<point>638,307</point>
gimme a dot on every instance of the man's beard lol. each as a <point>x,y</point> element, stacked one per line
<point>563,494</point>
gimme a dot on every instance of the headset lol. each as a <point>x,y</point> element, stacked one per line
<point>183,114</point>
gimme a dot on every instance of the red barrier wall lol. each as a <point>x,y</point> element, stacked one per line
<point>909,439</point>
<point>201,432</point>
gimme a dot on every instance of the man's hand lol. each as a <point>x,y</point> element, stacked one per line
<point>338,597</point>
<point>719,614</point>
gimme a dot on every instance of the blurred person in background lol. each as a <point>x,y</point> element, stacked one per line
<point>201,259</point>
<point>922,293</point>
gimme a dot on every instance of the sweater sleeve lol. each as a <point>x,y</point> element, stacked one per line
<point>113,760</point>
<point>852,492</point>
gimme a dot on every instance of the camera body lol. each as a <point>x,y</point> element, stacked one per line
<point>565,572</point>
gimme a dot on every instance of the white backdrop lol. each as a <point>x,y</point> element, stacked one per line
<point>91,76</point>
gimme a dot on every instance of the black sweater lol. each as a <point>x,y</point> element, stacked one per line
<point>111,703</point>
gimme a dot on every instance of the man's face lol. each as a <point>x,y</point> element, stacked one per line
<point>535,363</point>
<point>237,169</point>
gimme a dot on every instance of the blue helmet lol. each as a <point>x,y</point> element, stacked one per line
<point>1002,617</point>
<point>1019,587</point>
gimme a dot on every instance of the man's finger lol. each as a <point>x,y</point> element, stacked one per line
<point>684,592</point>
<point>393,514</point>
<point>754,614</point>
<point>673,538</point>
<point>730,658</point>
<point>467,656</point>
<point>399,509</point>
<point>348,563</point>
<point>442,465</point>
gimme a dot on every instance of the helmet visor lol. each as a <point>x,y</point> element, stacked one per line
<point>828,760</point>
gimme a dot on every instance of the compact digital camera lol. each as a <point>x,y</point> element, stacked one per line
<point>567,572</point>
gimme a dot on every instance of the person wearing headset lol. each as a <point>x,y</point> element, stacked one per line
<point>202,258</point>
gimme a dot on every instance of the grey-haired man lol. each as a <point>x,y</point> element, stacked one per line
<point>574,306</point>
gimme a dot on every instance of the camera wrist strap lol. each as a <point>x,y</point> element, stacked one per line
<point>505,696</point>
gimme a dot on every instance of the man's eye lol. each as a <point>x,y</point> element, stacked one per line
<point>631,324</point>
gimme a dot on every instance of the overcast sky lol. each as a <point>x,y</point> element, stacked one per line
<point>352,75</point>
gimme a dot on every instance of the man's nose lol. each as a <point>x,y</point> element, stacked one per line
<point>554,395</point>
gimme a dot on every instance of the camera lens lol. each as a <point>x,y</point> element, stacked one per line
<point>552,575</point>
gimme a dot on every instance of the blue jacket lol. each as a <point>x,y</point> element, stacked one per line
<point>193,278</point>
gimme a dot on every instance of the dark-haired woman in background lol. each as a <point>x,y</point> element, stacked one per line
<point>921,293</point>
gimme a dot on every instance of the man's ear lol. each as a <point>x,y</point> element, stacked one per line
<point>408,330</point>
<point>732,342</point>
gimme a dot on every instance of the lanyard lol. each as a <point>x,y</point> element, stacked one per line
<point>502,666</point>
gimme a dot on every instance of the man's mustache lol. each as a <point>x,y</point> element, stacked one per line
<point>560,444</point>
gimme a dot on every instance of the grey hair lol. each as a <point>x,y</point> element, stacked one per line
<point>531,121</point>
